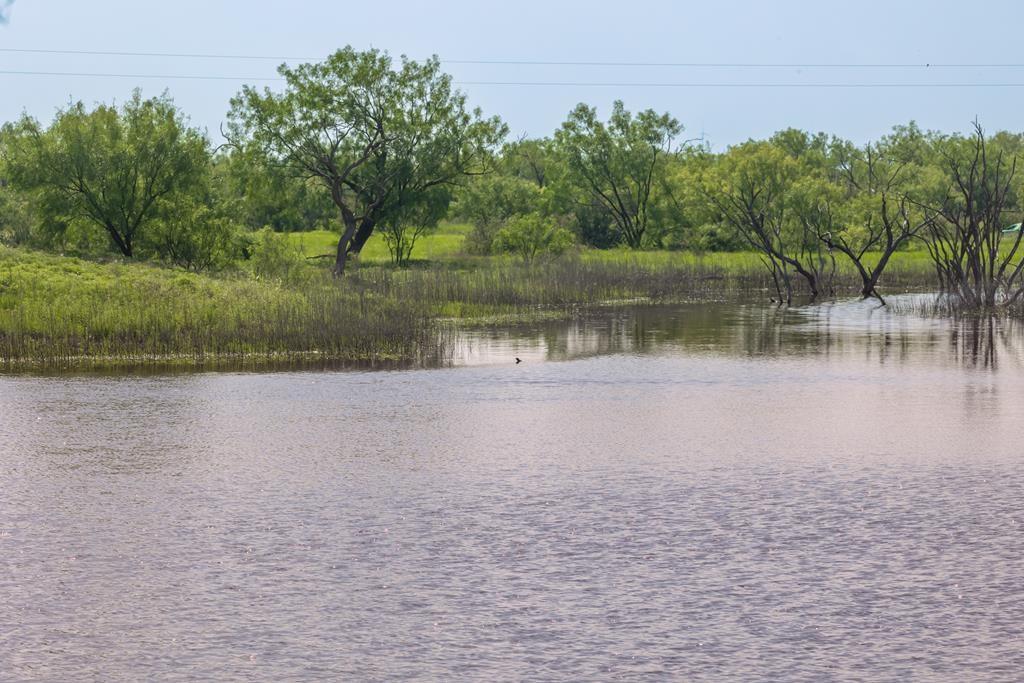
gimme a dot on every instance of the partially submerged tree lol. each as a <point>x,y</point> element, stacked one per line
<point>815,204</point>
<point>879,219</point>
<point>975,260</point>
<point>752,188</point>
<point>617,163</point>
<point>115,168</point>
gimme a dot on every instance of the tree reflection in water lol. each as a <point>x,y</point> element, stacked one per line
<point>844,329</point>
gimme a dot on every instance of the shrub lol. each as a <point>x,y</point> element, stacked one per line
<point>195,237</point>
<point>533,235</point>
<point>274,257</point>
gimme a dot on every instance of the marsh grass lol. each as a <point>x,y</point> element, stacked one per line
<point>953,307</point>
<point>57,311</point>
<point>595,277</point>
<point>65,312</point>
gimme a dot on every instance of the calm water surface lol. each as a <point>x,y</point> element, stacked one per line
<point>709,492</point>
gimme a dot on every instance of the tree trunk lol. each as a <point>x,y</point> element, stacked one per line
<point>871,282</point>
<point>811,278</point>
<point>124,245</point>
<point>344,244</point>
<point>362,235</point>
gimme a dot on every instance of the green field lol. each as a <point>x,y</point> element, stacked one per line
<point>445,243</point>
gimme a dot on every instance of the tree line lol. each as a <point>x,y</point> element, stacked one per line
<point>363,144</point>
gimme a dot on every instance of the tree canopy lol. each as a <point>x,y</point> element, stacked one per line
<point>370,145</point>
<point>117,168</point>
<point>373,134</point>
<point>617,162</point>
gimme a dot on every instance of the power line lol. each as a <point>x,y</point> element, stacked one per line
<point>742,85</point>
<point>538,62</point>
<point>731,65</point>
<point>107,53</point>
<point>585,84</point>
<point>197,77</point>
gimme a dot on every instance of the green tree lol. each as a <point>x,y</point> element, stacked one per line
<point>618,163</point>
<point>115,168</point>
<point>366,129</point>
<point>434,141</point>
<point>410,219</point>
<point>267,194</point>
<point>752,187</point>
<point>877,219</point>
<point>273,258</point>
<point>813,149</point>
<point>533,159</point>
<point>701,225</point>
<point>974,259</point>
<point>327,123</point>
<point>908,144</point>
<point>15,218</point>
<point>541,163</point>
<point>815,209</point>
<point>194,235</point>
<point>489,201</point>
<point>17,215</point>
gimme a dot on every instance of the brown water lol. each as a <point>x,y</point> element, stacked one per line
<point>697,493</point>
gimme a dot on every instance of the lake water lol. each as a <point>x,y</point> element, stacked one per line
<point>704,492</point>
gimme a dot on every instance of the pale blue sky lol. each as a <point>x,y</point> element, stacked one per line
<point>734,31</point>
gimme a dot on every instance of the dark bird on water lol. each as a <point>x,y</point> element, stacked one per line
<point>518,360</point>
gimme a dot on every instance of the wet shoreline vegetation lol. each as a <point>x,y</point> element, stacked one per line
<point>64,312</point>
<point>363,208</point>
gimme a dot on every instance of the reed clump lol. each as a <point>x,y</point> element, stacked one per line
<point>598,277</point>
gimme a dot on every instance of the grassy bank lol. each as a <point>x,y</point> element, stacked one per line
<point>61,311</point>
<point>65,311</point>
